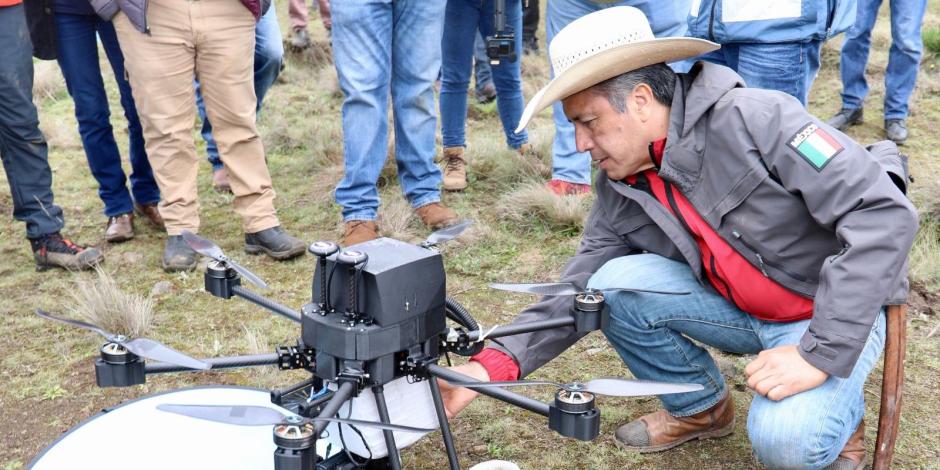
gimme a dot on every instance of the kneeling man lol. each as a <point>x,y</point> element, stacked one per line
<point>790,237</point>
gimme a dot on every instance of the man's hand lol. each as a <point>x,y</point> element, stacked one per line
<point>457,398</point>
<point>780,372</point>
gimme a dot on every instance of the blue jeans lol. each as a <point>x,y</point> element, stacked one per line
<point>654,336</point>
<point>77,48</point>
<point>666,19</point>
<point>22,147</point>
<point>789,67</point>
<point>903,58</point>
<point>380,45</point>
<point>269,53</point>
<point>463,19</point>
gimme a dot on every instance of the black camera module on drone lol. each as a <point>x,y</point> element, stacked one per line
<point>502,44</point>
<point>371,336</point>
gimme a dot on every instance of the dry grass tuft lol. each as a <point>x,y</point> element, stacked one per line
<point>396,216</point>
<point>48,82</point>
<point>101,301</point>
<point>534,200</point>
<point>925,254</point>
<point>257,344</point>
<point>61,134</point>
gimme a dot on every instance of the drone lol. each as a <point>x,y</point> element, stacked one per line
<point>377,316</point>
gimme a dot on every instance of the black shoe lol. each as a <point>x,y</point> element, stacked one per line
<point>178,256</point>
<point>486,93</point>
<point>896,130</point>
<point>530,45</point>
<point>274,242</point>
<point>53,251</point>
<point>846,117</point>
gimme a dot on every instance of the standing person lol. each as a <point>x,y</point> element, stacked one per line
<point>208,38</point>
<point>771,44</point>
<point>463,21</point>
<point>77,31</point>
<point>571,169</point>
<point>382,46</point>
<point>297,9</point>
<point>530,26</point>
<point>771,223</point>
<point>25,154</point>
<point>269,56</point>
<point>900,75</point>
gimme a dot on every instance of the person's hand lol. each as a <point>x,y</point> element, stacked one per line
<point>457,398</point>
<point>780,372</point>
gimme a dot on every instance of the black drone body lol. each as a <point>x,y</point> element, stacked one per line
<point>377,313</point>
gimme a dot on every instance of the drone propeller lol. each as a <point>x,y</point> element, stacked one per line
<point>265,416</point>
<point>447,233</point>
<point>143,347</point>
<point>209,249</point>
<point>611,386</point>
<point>567,288</point>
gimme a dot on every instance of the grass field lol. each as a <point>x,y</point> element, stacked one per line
<point>520,235</point>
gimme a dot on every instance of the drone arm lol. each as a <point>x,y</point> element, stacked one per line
<point>501,394</point>
<point>267,303</point>
<point>230,362</point>
<point>523,327</point>
<point>344,392</point>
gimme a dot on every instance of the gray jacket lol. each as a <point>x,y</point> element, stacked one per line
<point>838,232</point>
<point>136,10</point>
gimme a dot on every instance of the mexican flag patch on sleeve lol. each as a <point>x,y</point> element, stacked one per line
<point>815,145</point>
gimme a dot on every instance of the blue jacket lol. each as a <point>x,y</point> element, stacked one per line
<point>770,21</point>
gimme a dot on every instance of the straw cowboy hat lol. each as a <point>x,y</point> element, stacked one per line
<point>602,45</point>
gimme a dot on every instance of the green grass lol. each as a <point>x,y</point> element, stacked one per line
<point>46,370</point>
<point>931,36</point>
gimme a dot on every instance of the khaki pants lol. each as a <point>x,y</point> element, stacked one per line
<point>211,40</point>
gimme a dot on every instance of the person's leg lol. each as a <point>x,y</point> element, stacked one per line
<point>362,52</point>
<point>165,99</point>
<point>416,58</point>
<point>143,185</point>
<point>653,333</point>
<point>482,72</point>
<point>854,56</point>
<point>460,29</point>
<point>567,163</point>
<point>904,56</point>
<point>297,10</point>
<point>224,31</point>
<point>22,146</point>
<point>789,67</point>
<point>269,54</point>
<point>530,24</point>
<point>507,75</point>
<point>77,54</point>
<point>808,430</point>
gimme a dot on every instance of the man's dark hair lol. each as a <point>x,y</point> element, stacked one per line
<point>660,78</point>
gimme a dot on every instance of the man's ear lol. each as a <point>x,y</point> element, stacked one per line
<point>641,101</point>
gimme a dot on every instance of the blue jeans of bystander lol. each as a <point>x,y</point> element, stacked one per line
<point>77,48</point>
<point>463,20</point>
<point>656,337</point>
<point>380,45</point>
<point>903,57</point>
<point>269,53</point>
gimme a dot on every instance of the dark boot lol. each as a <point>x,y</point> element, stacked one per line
<point>274,242</point>
<point>178,256</point>
<point>845,118</point>
<point>661,431</point>
<point>853,455</point>
<point>53,251</point>
<point>151,213</point>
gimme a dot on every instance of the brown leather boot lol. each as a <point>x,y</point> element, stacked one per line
<point>661,431</point>
<point>455,169</point>
<point>853,455</point>
<point>436,215</point>
<point>358,231</point>
<point>120,228</point>
<point>151,213</point>
<point>220,181</point>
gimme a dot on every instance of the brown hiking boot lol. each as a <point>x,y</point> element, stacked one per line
<point>358,231</point>
<point>661,431</point>
<point>455,169</point>
<point>436,215</point>
<point>853,455</point>
<point>53,251</point>
<point>151,213</point>
<point>220,181</point>
<point>120,228</point>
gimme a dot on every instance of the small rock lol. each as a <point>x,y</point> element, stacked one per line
<point>479,449</point>
<point>133,257</point>
<point>594,351</point>
<point>160,288</point>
